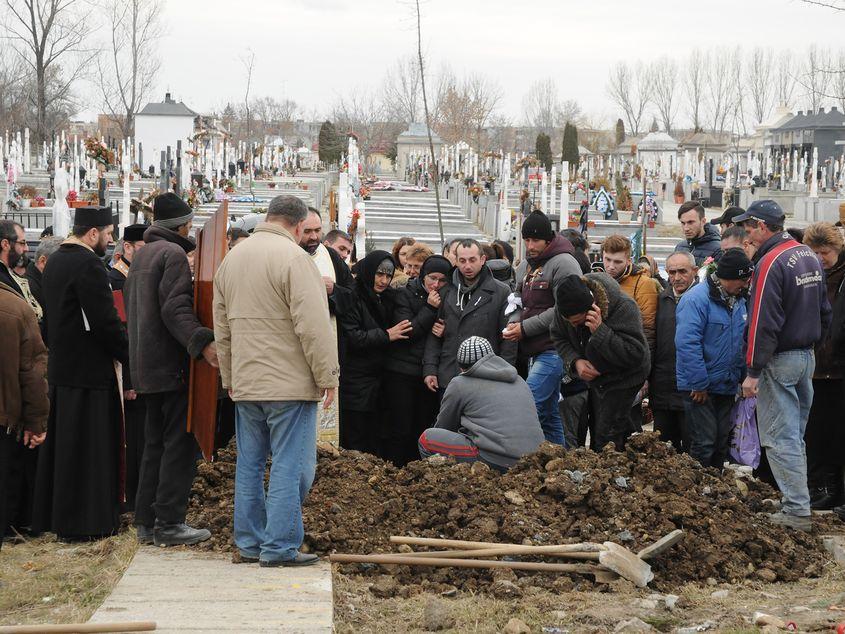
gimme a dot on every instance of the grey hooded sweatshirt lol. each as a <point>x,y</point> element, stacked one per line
<point>493,406</point>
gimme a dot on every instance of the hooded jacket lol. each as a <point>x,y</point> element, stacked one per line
<point>709,341</point>
<point>537,280</point>
<point>164,331</point>
<point>704,246</point>
<point>494,407</point>
<point>788,308</point>
<point>24,403</point>
<point>617,349</point>
<point>363,330</point>
<point>637,283</point>
<point>478,310</point>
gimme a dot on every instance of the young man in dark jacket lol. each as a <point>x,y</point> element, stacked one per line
<point>487,412</point>
<point>788,315</point>
<point>666,402</point>
<point>598,333</point>
<point>473,305</point>
<point>709,342</point>
<point>549,261</point>
<point>164,333</point>
<point>702,238</point>
<point>411,407</point>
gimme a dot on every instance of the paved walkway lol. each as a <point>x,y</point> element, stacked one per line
<point>185,591</point>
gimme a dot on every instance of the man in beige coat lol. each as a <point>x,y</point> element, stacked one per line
<point>278,359</point>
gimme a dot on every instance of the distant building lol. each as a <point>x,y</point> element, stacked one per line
<point>414,141</point>
<point>160,125</point>
<point>807,130</point>
<point>110,128</point>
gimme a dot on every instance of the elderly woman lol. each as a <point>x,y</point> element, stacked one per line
<point>825,434</point>
<point>367,331</point>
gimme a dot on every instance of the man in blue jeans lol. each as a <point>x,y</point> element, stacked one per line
<point>788,314</point>
<point>270,302</point>
<point>549,260</point>
<point>709,335</point>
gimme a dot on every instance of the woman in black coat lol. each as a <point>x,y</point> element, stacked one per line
<point>366,332</point>
<point>410,406</point>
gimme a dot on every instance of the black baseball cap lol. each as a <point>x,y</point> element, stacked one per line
<point>728,216</point>
<point>766,210</point>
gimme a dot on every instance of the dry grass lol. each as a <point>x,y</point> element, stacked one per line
<point>45,581</point>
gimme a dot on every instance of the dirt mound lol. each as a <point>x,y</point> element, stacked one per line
<point>552,496</point>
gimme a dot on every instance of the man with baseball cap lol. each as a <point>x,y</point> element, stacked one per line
<point>487,412</point>
<point>728,218</point>
<point>709,342</point>
<point>789,312</point>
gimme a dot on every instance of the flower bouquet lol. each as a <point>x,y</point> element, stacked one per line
<point>39,201</point>
<point>191,198</point>
<point>364,192</point>
<point>98,151</point>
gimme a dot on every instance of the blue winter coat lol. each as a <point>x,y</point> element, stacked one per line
<point>709,341</point>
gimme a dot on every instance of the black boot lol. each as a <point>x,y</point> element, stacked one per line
<point>826,499</point>
<point>178,534</point>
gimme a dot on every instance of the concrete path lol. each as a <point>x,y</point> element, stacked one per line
<point>186,591</point>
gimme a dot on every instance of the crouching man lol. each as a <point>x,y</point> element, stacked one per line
<point>598,333</point>
<point>487,412</point>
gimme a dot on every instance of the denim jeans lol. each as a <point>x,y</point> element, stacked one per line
<point>271,528</point>
<point>545,372</point>
<point>710,428</point>
<point>783,405</point>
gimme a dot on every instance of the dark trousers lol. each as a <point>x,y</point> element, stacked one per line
<point>710,428</point>
<point>672,425</point>
<point>824,435</point>
<point>611,411</point>
<point>7,442</point>
<point>575,415</point>
<point>411,408</point>
<point>135,418</point>
<point>359,430</point>
<point>169,463</point>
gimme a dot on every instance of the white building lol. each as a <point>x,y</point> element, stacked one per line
<point>160,125</point>
<point>414,142</point>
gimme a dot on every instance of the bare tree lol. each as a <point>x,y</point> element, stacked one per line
<point>541,106</point>
<point>664,83</point>
<point>248,62</point>
<point>718,83</point>
<point>737,91</point>
<point>629,89</point>
<point>815,76</point>
<point>484,95</point>
<point>462,107</point>
<point>784,79</point>
<point>838,80</point>
<point>363,112</point>
<point>694,83</point>
<point>128,65</point>
<point>758,78</point>
<point>402,87</point>
<point>46,32</point>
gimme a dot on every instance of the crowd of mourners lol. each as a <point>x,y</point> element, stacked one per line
<point>469,353</point>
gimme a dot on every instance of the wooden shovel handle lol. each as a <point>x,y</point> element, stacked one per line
<point>126,626</point>
<point>475,553</point>
<point>404,560</point>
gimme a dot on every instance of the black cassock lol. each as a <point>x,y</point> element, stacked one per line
<point>79,485</point>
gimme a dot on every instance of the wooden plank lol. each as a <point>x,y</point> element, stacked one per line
<point>203,378</point>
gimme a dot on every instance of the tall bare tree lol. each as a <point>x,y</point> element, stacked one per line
<point>541,106</point>
<point>47,32</point>
<point>758,78</point>
<point>815,76</point>
<point>128,64</point>
<point>664,93</point>
<point>629,88</point>
<point>402,88</point>
<point>737,92</point>
<point>718,85</point>
<point>248,61</point>
<point>694,84</point>
<point>463,107</point>
<point>838,80</point>
<point>784,79</point>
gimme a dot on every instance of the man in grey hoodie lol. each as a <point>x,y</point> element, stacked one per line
<point>487,412</point>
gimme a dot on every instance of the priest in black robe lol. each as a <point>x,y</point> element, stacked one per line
<point>79,485</point>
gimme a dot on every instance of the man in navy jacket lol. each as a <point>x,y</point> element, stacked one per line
<point>788,314</point>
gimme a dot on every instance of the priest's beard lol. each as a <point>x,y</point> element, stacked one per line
<point>311,247</point>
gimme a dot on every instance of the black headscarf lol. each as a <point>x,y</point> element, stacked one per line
<point>365,281</point>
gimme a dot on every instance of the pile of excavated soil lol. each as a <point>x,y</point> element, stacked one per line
<point>550,497</point>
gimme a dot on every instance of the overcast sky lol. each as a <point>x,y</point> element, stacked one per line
<point>313,50</point>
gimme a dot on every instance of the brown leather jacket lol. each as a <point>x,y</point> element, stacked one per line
<point>24,403</point>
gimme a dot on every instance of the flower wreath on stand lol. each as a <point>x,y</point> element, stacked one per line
<point>99,152</point>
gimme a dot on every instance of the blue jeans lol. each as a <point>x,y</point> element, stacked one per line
<point>783,405</point>
<point>545,372</point>
<point>271,528</point>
